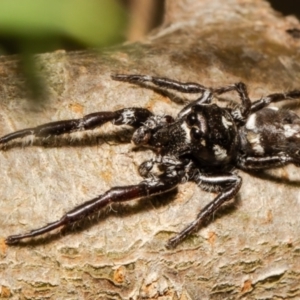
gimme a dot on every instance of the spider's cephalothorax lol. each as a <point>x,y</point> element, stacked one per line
<point>204,144</point>
<point>207,132</point>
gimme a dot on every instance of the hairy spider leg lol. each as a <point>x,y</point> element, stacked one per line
<point>190,87</point>
<point>272,98</point>
<point>144,189</point>
<point>128,116</point>
<point>187,87</point>
<point>243,111</point>
<point>232,185</point>
<point>256,163</point>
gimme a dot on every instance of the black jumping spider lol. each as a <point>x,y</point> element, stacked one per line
<point>204,144</point>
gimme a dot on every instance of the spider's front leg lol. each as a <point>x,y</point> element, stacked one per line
<point>146,188</point>
<point>229,185</point>
<point>128,116</point>
<point>165,83</point>
<point>183,87</point>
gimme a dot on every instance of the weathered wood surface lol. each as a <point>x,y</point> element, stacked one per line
<point>249,251</point>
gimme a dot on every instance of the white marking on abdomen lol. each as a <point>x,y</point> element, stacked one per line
<point>251,122</point>
<point>290,131</point>
<point>254,140</point>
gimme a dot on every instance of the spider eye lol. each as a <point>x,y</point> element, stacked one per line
<point>196,134</point>
<point>191,119</point>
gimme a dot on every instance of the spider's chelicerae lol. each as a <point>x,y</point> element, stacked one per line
<point>204,143</point>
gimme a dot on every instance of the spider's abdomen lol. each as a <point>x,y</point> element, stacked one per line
<point>271,131</point>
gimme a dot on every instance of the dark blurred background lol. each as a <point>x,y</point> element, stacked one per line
<point>287,7</point>
<point>142,9</point>
<point>35,26</point>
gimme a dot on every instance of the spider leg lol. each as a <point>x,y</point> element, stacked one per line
<point>127,116</point>
<point>187,87</point>
<point>229,186</point>
<point>205,98</point>
<point>272,98</point>
<point>241,112</point>
<point>183,87</point>
<point>146,188</point>
<point>258,163</point>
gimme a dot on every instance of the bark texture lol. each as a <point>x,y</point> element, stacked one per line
<point>251,250</point>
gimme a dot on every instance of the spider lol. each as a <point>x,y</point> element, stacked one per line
<point>204,143</point>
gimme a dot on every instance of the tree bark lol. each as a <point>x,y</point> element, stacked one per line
<point>251,248</point>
